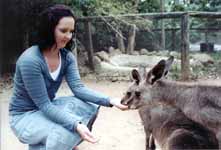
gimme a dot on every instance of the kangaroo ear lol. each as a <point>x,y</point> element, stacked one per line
<point>136,76</point>
<point>169,62</point>
<point>156,72</point>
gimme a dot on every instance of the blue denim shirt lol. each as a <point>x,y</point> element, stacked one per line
<point>34,88</point>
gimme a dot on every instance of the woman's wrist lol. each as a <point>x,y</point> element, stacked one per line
<point>76,125</point>
<point>110,103</point>
<point>117,103</point>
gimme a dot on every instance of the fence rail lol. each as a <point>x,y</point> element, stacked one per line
<point>185,29</point>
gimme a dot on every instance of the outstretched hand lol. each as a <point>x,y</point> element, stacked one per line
<point>86,134</point>
<point>117,103</point>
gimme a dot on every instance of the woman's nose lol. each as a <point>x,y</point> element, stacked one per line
<point>68,36</point>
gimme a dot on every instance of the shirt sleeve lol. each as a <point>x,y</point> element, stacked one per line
<point>35,85</point>
<point>78,88</point>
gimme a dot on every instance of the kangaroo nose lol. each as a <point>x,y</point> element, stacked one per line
<point>124,102</point>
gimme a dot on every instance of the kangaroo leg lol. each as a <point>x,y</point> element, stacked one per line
<point>218,135</point>
<point>151,145</point>
<point>147,134</point>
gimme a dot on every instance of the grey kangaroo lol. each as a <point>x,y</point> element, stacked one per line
<point>198,101</point>
<point>170,129</point>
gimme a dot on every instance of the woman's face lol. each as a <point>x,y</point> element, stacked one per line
<point>64,31</point>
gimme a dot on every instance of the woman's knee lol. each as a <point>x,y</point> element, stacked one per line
<point>61,138</point>
<point>33,128</point>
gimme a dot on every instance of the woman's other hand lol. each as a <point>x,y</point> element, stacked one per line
<point>117,103</point>
<point>85,133</point>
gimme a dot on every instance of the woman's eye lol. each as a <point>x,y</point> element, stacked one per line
<point>66,31</point>
<point>63,31</point>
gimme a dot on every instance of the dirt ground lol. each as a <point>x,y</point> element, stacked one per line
<point>115,129</point>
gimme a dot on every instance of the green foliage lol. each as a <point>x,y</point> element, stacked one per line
<point>100,7</point>
<point>194,5</point>
<point>149,6</point>
<point>114,7</point>
<point>208,70</point>
<point>216,56</point>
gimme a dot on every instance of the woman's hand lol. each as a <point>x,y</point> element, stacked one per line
<point>85,133</point>
<point>117,103</point>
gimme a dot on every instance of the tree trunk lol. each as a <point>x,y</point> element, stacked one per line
<point>135,4</point>
<point>173,40</point>
<point>173,32</point>
<point>131,39</point>
<point>185,47</point>
<point>120,42</point>
<point>162,26</point>
<point>207,32</point>
<point>1,35</point>
<point>89,44</point>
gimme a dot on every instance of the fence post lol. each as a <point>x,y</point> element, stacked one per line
<point>173,32</point>
<point>185,70</point>
<point>131,39</point>
<point>89,44</point>
<point>162,36</point>
<point>1,38</point>
<point>120,42</point>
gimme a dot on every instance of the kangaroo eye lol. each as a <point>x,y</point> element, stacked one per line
<point>128,94</point>
<point>137,93</point>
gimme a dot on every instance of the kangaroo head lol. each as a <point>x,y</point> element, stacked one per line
<point>140,91</point>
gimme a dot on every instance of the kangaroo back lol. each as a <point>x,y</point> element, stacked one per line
<point>171,129</point>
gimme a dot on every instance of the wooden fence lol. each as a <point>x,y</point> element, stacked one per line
<point>184,27</point>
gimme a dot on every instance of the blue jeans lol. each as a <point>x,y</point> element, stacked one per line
<point>40,133</point>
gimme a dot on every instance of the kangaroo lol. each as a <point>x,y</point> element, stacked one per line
<point>200,102</point>
<point>170,129</point>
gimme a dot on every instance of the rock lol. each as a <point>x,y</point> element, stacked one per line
<point>135,53</point>
<point>111,50</point>
<point>195,63</point>
<point>114,52</point>
<point>163,53</point>
<point>97,63</point>
<point>144,51</point>
<point>117,51</point>
<point>203,58</point>
<point>113,73</point>
<point>82,58</point>
<point>119,66</point>
<point>103,56</point>
<point>152,53</point>
<point>135,61</point>
<point>175,54</point>
<point>84,71</point>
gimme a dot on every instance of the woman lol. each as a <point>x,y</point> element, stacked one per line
<point>38,118</point>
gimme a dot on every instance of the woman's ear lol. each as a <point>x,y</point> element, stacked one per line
<point>136,76</point>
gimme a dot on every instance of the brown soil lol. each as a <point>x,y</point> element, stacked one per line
<point>115,129</point>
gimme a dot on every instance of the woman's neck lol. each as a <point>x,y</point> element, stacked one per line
<point>51,52</point>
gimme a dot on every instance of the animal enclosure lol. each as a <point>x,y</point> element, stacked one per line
<point>142,33</point>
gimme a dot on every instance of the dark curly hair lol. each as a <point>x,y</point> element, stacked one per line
<point>48,20</point>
